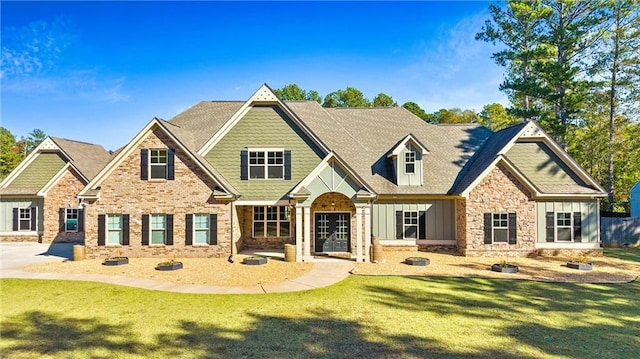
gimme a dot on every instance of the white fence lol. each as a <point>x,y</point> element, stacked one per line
<point>620,231</point>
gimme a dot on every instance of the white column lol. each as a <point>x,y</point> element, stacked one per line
<point>359,211</point>
<point>299,224</point>
<point>307,234</point>
<point>367,233</point>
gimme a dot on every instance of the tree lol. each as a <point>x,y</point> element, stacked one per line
<point>495,117</point>
<point>10,155</point>
<point>454,115</point>
<point>415,109</point>
<point>350,97</point>
<point>293,92</point>
<point>32,141</point>
<point>618,62</point>
<point>384,100</point>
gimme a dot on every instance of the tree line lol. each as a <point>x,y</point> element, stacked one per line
<point>13,151</point>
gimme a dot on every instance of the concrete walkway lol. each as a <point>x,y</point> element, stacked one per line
<point>14,257</point>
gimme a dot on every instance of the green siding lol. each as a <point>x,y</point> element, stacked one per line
<point>440,218</point>
<point>541,165</point>
<point>332,179</point>
<point>588,209</point>
<point>39,172</point>
<point>264,126</point>
<point>6,211</point>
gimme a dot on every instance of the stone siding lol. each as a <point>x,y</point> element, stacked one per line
<point>248,241</point>
<point>123,192</point>
<point>500,192</point>
<point>20,238</point>
<point>64,194</point>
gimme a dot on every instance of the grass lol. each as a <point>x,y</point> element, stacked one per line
<point>370,317</point>
<point>629,254</point>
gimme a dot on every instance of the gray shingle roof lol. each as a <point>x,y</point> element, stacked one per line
<point>88,158</point>
<point>205,119</point>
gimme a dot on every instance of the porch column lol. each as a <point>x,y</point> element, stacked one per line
<point>299,239</point>
<point>307,234</point>
<point>359,211</point>
<point>367,233</point>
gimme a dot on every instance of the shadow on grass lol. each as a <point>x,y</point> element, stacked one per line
<point>41,333</point>
<point>628,254</point>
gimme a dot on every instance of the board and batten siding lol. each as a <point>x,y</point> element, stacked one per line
<point>39,172</point>
<point>440,218</point>
<point>263,127</point>
<point>589,217</point>
<point>6,211</point>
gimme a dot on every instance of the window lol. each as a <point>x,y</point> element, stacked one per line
<point>411,224</point>
<point>71,220</point>
<point>114,229</point>
<point>271,221</point>
<point>158,164</point>
<point>564,227</point>
<point>201,229</point>
<point>500,227</point>
<point>409,162</point>
<point>25,219</point>
<point>158,229</point>
<point>563,222</point>
<point>266,164</point>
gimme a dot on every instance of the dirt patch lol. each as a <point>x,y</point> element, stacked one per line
<point>546,269</point>
<point>201,271</point>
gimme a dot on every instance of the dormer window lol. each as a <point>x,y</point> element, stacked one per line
<point>410,162</point>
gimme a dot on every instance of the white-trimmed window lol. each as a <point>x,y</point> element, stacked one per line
<point>564,226</point>
<point>500,226</point>
<point>201,229</point>
<point>24,219</point>
<point>409,162</point>
<point>266,164</point>
<point>71,219</point>
<point>271,221</point>
<point>410,228</point>
<point>158,164</point>
<point>158,228</point>
<point>114,229</point>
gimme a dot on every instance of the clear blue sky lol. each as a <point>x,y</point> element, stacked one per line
<point>100,71</point>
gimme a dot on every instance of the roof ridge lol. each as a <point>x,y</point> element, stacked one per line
<point>76,141</point>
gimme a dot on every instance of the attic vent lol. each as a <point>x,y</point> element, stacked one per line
<point>264,95</point>
<point>532,131</point>
<point>48,144</point>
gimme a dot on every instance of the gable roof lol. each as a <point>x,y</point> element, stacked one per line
<point>84,158</point>
<point>495,151</point>
<point>183,139</point>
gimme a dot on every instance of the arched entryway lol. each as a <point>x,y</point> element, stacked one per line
<point>333,229</point>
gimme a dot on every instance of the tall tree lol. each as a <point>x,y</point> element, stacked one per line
<point>454,115</point>
<point>32,141</point>
<point>350,97</point>
<point>10,155</point>
<point>384,100</point>
<point>415,109</point>
<point>618,63</point>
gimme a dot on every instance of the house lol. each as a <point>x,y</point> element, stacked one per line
<point>634,195</point>
<point>230,175</point>
<point>38,200</point>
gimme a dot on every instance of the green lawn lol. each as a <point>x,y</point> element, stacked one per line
<point>629,254</point>
<point>361,317</point>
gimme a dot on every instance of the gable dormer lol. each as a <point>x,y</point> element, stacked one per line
<point>408,162</point>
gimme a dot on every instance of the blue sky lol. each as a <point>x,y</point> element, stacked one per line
<point>100,71</point>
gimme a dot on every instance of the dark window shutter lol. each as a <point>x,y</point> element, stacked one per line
<point>287,164</point>
<point>61,217</point>
<point>577,227</point>
<point>34,218</point>
<point>81,220</point>
<point>101,229</point>
<point>169,230</point>
<point>213,229</point>
<point>125,229</point>
<point>16,219</point>
<point>144,164</point>
<point>399,225</point>
<point>145,229</point>
<point>188,232</point>
<point>422,222</point>
<point>550,225</point>
<point>244,165</point>
<point>513,235</point>
<point>171,164</point>
<point>488,221</point>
